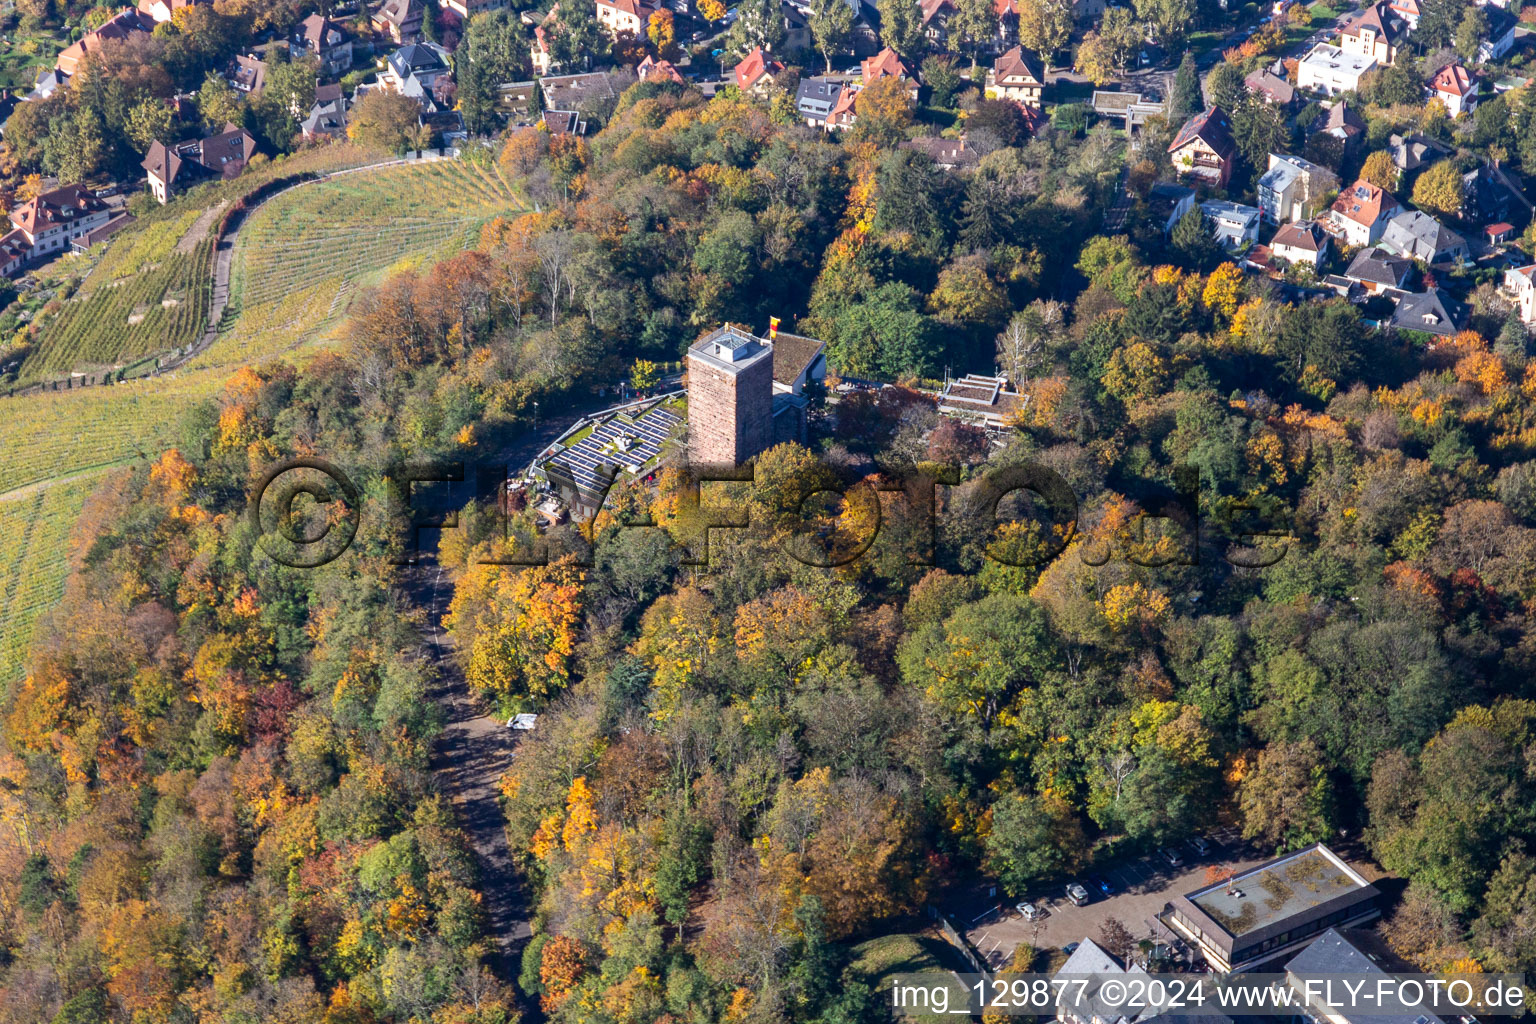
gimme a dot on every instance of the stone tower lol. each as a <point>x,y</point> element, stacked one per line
<point>730,396</point>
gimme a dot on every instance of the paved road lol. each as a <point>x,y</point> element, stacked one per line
<point>468,761</point>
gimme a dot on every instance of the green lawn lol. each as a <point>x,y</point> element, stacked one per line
<point>877,960</point>
<point>1323,12</point>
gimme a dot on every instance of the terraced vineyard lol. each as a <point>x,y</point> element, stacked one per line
<point>302,256</point>
<point>34,551</point>
<point>299,260</point>
<point>161,306</point>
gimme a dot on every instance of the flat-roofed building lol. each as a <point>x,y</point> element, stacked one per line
<point>730,396</point>
<point>1272,909</point>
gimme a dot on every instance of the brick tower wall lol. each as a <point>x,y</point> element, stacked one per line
<point>730,415</point>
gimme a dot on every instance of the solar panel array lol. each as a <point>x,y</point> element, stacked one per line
<point>593,461</point>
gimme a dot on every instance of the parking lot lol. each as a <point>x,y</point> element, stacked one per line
<point>1142,886</point>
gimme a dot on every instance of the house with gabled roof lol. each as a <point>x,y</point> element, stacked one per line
<point>421,71</point>
<point>1270,87</point>
<point>1408,10</point>
<point>1520,286</point>
<point>55,218</point>
<point>323,38</point>
<point>1378,271</point>
<point>1378,32</point>
<point>1417,235</point>
<point>1456,87</point>
<point>1017,75</point>
<point>950,154</point>
<point>887,64</point>
<point>247,74</point>
<point>124,25</point>
<point>1433,312</point>
<point>1412,151</point>
<point>630,16</point>
<point>815,98</point>
<point>1360,214</point>
<point>659,70</point>
<point>169,169</point>
<point>1203,149</point>
<point>1343,123</point>
<point>161,11</point>
<point>756,72</point>
<point>400,20</point>
<point>1304,242</point>
<point>845,110</point>
<point>328,115</point>
<point>1499,38</point>
<point>936,17</point>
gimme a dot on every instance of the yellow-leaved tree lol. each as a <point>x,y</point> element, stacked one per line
<point>516,630</point>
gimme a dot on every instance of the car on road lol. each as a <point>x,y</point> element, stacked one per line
<point>1172,857</point>
<point>1101,883</point>
<point>1077,894</point>
<point>1201,847</point>
<point>1030,911</point>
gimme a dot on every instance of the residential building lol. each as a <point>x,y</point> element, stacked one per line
<point>1454,86</point>
<point>321,37</point>
<point>1410,152</point>
<point>50,222</point>
<point>467,9</point>
<point>516,99</point>
<point>590,94</point>
<point>844,111</point>
<point>1360,214</point>
<point>1408,10</point>
<point>1500,36</point>
<point>660,70</point>
<point>170,169</point>
<point>247,74</point>
<point>1433,312</point>
<point>936,16</point>
<point>1077,1005</point>
<point>420,71</point>
<point>1233,224</point>
<point>1491,193</point>
<point>1007,12</point>
<point>1378,32</point>
<point>887,64</point>
<point>328,116</point>
<point>1521,288</point>
<point>1017,75</point>
<point>1302,242</point>
<point>162,11</point>
<point>1331,70</point>
<point>1417,235</point>
<point>1168,203</point>
<point>124,25</point>
<point>1379,272</point>
<point>756,71</point>
<point>1291,187</point>
<point>1131,107</point>
<point>950,154</point>
<point>400,20</point>
<point>630,16</point>
<point>565,122</point>
<point>1498,234</point>
<point>1272,909</point>
<point>1355,959</point>
<point>1343,123</point>
<point>539,51</point>
<point>1271,87</point>
<point>1203,149</point>
<point>816,97</point>
<point>14,251</point>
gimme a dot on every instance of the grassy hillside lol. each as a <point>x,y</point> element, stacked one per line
<point>299,260</point>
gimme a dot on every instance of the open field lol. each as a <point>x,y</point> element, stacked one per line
<point>296,269</point>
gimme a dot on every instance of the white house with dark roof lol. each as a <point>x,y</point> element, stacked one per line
<point>1500,37</point>
<point>1303,242</point>
<point>1232,224</point>
<point>415,70</point>
<point>1417,235</point>
<point>1520,287</point>
<point>816,98</point>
